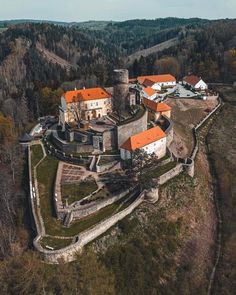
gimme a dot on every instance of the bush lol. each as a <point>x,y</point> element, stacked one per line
<point>127,226</point>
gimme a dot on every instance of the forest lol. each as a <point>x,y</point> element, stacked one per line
<point>38,61</point>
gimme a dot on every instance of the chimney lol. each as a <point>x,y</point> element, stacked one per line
<point>75,88</point>
<point>84,87</point>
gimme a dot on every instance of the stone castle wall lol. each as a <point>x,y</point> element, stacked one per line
<point>170,174</point>
<point>71,147</point>
<point>115,160</point>
<point>69,253</point>
<point>88,209</point>
<point>131,128</point>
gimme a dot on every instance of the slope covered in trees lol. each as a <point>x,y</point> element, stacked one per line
<point>31,83</point>
<point>208,52</point>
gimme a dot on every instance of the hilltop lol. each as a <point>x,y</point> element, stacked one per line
<point>167,247</point>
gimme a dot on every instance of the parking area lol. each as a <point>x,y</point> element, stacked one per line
<point>182,92</point>
<point>178,91</point>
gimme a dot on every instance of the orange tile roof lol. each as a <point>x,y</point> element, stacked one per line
<point>156,106</point>
<point>148,83</point>
<point>150,91</point>
<point>157,78</point>
<point>144,138</point>
<point>192,80</point>
<point>86,94</point>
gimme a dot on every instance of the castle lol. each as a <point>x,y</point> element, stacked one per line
<point>100,120</point>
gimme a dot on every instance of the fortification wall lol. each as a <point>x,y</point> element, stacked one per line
<point>88,209</point>
<point>109,139</point>
<point>38,226</point>
<point>104,167</point>
<point>169,131</point>
<point>71,147</point>
<point>69,253</point>
<point>170,174</point>
<point>129,129</point>
<point>199,125</point>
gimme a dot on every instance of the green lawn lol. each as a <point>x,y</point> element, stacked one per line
<point>75,192</point>
<point>37,154</point>
<point>55,243</point>
<point>160,170</point>
<point>46,173</point>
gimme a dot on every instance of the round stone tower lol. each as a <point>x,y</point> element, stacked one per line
<point>189,166</point>
<point>121,89</point>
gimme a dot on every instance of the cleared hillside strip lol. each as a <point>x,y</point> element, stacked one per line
<point>154,49</point>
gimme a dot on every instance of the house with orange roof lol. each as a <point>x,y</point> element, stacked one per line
<point>157,81</point>
<point>149,93</point>
<point>86,104</point>
<point>195,82</point>
<point>151,141</point>
<point>157,109</point>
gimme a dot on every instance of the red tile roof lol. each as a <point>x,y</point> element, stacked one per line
<point>192,80</point>
<point>157,78</point>
<point>148,83</point>
<point>86,94</point>
<point>150,91</point>
<point>156,106</point>
<point>144,138</point>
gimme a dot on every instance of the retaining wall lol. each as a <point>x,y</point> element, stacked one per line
<point>170,174</point>
<point>195,129</point>
<point>69,253</point>
<point>104,167</point>
<point>70,147</point>
<point>85,210</point>
<point>131,128</point>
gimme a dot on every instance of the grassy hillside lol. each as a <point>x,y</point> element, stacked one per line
<point>223,157</point>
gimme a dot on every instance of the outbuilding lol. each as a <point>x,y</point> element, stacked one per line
<point>195,82</point>
<point>151,141</point>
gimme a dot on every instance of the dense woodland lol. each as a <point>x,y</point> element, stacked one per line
<point>31,83</point>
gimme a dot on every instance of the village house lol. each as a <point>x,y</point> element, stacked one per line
<point>195,82</point>
<point>84,104</point>
<point>157,109</point>
<point>149,93</point>
<point>151,141</point>
<point>157,81</point>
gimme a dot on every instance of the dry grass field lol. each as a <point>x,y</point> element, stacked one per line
<point>185,114</point>
<point>222,146</point>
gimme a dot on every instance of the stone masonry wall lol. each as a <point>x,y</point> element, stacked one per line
<point>129,129</point>
<point>88,209</point>
<point>170,174</point>
<point>69,253</point>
